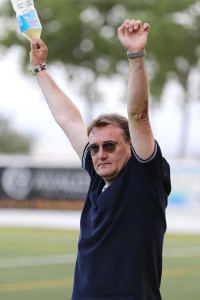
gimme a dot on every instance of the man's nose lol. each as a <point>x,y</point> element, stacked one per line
<point>101,153</point>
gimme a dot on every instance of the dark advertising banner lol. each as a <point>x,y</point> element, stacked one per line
<point>55,183</point>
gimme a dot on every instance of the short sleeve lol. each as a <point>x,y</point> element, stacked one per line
<point>153,170</point>
<point>144,161</point>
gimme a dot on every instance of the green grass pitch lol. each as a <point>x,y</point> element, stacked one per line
<point>39,264</point>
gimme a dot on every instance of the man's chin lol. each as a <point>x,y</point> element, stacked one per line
<point>105,172</point>
<point>107,176</point>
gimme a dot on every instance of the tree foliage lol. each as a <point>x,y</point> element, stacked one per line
<point>12,141</point>
<point>83,34</point>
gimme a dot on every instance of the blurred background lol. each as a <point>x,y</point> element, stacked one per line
<point>42,185</point>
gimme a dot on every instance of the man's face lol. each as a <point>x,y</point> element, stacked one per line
<point>109,165</point>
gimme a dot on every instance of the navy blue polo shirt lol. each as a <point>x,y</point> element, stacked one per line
<point>122,231</point>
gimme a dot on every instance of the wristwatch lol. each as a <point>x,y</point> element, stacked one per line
<point>136,54</point>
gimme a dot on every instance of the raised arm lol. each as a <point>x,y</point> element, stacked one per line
<point>62,108</point>
<point>133,37</point>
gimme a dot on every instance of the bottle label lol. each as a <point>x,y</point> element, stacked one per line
<point>28,21</point>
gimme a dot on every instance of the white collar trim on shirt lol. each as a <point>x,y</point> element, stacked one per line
<point>105,187</point>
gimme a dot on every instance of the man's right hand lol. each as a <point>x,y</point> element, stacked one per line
<point>38,56</point>
<point>64,111</point>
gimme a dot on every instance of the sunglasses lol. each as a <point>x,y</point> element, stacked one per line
<point>108,147</point>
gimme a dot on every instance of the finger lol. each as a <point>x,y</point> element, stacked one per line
<point>122,28</point>
<point>146,26</point>
<point>137,25</point>
<point>121,31</point>
<point>126,23</point>
<point>33,44</point>
<point>131,25</point>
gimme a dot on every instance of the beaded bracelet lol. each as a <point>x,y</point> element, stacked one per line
<point>38,68</point>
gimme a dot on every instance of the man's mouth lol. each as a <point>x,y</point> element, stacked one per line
<point>103,164</point>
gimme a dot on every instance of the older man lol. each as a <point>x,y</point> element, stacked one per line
<point>123,220</point>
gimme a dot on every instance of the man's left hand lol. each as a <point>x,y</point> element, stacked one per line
<point>133,36</point>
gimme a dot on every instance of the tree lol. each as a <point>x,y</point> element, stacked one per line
<point>82,35</point>
<point>11,141</point>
